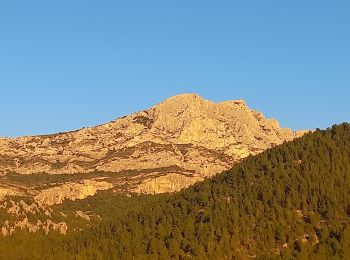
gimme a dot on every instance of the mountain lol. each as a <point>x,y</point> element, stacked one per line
<point>170,146</point>
<point>289,202</point>
<point>163,149</point>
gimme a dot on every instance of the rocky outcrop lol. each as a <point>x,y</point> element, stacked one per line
<point>24,224</point>
<point>82,215</point>
<point>199,136</point>
<point>21,217</point>
<point>6,191</point>
<point>168,183</point>
<point>71,191</point>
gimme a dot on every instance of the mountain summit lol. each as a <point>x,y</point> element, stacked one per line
<point>165,148</point>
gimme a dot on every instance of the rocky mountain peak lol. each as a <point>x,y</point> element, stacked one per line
<point>183,98</point>
<point>181,112</point>
<point>183,138</point>
<point>180,104</point>
<point>194,103</point>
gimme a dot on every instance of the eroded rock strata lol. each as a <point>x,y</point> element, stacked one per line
<point>196,136</point>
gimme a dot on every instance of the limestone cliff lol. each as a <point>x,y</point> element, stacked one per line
<point>195,135</point>
<point>71,191</point>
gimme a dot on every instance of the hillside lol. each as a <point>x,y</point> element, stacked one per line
<point>170,146</point>
<point>291,201</point>
<point>186,131</point>
<point>166,148</point>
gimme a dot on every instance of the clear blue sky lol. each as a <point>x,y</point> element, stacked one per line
<point>69,64</point>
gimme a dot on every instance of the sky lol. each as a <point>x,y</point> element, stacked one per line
<point>65,64</point>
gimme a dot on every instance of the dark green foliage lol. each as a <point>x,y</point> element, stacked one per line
<point>292,201</point>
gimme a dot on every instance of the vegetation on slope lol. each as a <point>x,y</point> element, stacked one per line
<point>290,201</point>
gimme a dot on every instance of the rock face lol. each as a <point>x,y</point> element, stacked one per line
<point>24,224</point>
<point>5,191</point>
<point>186,131</point>
<point>168,183</point>
<point>71,191</point>
<point>20,217</point>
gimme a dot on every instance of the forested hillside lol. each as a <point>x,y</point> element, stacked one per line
<point>292,201</point>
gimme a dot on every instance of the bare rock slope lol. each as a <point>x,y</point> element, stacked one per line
<point>167,147</point>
